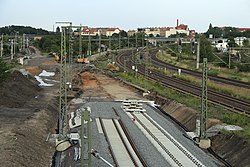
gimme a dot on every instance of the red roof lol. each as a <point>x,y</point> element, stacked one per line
<point>112,29</point>
<point>90,30</point>
<point>181,27</point>
<point>244,29</point>
<point>165,28</point>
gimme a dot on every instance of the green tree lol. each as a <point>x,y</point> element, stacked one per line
<point>123,33</point>
<point>4,67</point>
<point>206,50</point>
<point>215,31</point>
<point>246,42</point>
<point>151,35</point>
<point>57,30</point>
<point>231,42</point>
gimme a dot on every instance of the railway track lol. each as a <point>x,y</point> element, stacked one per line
<point>170,148</point>
<point>210,150</point>
<point>186,87</point>
<point>159,63</point>
<point>123,152</point>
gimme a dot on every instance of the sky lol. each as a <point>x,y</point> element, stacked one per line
<point>126,14</point>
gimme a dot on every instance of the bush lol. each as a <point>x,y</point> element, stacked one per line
<point>244,67</point>
<point>4,70</point>
<point>173,54</point>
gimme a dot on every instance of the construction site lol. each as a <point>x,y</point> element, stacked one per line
<point>63,110</point>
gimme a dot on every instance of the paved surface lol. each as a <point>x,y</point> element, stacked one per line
<point>151,155</point>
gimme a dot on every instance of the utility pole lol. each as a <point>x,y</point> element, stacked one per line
<point>89,45</point>
<point>11,50</point>
<point>146,69</point>
<point>1,47</point>
<point>63,86</point>
<point>136,40</point>
<point>62,142</point>
<point>99,42</point>
<point>203,115</point>
<point>110,43</point>
<point>204,142</point>
<point>70,54</point>
<point>14,51</point>
<point>198,54</point>
<point>179,48</point>
<point>23,41</point>
<point>27,42</point>
<point>119,41</point>
<point>229,58</point>
<point>80,42</point>
<point>128,41</point>
<point>142,40</point>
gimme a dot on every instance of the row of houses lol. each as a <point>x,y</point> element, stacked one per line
<point>99,31</point>
<point>166,31</point>
<point>155,31</point>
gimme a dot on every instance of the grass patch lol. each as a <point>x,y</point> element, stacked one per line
<point>241,93</point>
<point>189,62</point>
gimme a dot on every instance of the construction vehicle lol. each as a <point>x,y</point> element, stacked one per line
<point>81,59</point>
<point>57,57</point>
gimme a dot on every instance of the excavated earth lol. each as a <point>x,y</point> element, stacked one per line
<point>29,113</point>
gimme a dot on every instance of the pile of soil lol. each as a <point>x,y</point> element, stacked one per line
<point>17,90</point>
<point>89,80</point>
<point>27,114</point>
<point>34,70</point>
<point>234,149</point>
<point>25,144</point>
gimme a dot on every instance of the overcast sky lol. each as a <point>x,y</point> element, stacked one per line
<point>126,14</point>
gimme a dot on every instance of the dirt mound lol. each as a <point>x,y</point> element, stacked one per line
<point>89,80</point>
<point>233,148</point>
<point>17,90</point>
<point>112,67</point>
<point>25,145</point>
<point>185,115</point>
<point>34,70</point>
<point>49,62</point>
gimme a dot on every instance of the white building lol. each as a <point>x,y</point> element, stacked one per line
<point>152,31</point>
<point>239,40</point>
<point>180,29</point>
<point>111,31</point>
<point>222,45</point>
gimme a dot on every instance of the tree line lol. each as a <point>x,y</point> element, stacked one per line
<point>11,30</point>
<point>226,32</point>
